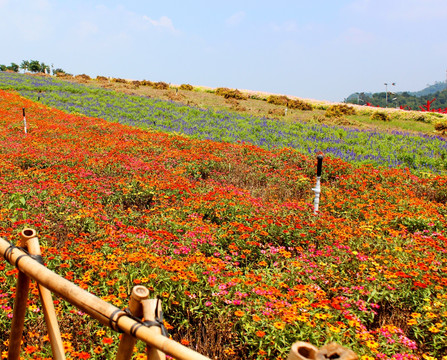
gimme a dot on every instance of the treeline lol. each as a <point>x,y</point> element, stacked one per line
<point>33,66</point>
<point>404,99</point>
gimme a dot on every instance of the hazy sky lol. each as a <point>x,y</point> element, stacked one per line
<point>321,49</point>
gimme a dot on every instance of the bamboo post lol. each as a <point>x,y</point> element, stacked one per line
<point>149,308</point>
<point>335,351</point>
<point>97,308</point>
<point>305,351</point>
<point>302,351</point>
<point>127,343</point>
<point>29,236</point>
<point>18,315</point>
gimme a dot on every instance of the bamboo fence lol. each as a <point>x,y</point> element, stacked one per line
<point>27,259</point>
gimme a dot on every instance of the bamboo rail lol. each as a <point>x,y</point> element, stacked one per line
<point>158,345</point>
<point>105,313</point>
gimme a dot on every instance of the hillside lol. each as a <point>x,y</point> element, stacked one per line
<point>223,231</point>
<point>406,99</point>
<point>396,142</point>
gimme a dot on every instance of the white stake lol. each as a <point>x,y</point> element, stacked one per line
<point>317,188</point>
<point>24,120</point>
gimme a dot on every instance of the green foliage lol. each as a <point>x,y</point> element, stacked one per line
<point>406,99</point>
<point>381,116</point>
<point>13,67</point>
<point>36,66</point>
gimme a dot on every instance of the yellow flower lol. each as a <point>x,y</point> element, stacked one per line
<point>433,329</point>
<point>372,344</point>
<point>279,325</point>
<point>334,329</point>
<point>428,357</point>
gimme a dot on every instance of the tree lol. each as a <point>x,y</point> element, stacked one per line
<point>58,70</point>
<point>24,65</point>
<point>13,67</point>
<point>44,68</point>
<point>34,66</point>
<point>3,67</point>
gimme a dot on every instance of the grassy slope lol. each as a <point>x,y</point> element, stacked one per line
<point>256,105</point>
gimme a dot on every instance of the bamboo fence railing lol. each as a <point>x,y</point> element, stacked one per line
<point>27,259</point>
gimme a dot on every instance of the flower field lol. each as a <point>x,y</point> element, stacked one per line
<point>393,149</point>
<point>225,234</point>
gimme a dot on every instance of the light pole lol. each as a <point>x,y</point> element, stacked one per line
<point>386,93</point>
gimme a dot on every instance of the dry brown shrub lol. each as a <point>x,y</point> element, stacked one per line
<point>380,115</point>
<point>300,105</point>
<point>101,78</point>
<point>441,127</point>
<point>146,83</point>
<point>64,75</point>
<point>276,112</point>
<point>231,94</point>
<point>283,100</point>
<point>186,87</point>
<point>278,100</point>
<point>339,110</point>
<point>160,85</point>
<point>83,77</point>
<point>174,96</point>
<point>118,80</point>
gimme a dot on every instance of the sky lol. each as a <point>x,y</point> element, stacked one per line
<point>319,49</point>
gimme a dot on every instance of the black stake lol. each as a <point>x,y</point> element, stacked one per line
<point>319,165</point>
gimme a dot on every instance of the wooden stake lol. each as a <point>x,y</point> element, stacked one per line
<point>97,308</point>
<point>29,236</point>
<point>18,315</point>
<point>127,343</point>
<point>149,307</point>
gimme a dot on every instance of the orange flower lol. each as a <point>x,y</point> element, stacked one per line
<point>239,313</point>
<point>260,333</point>
<point>184,342</point>
<point>107,340</point>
